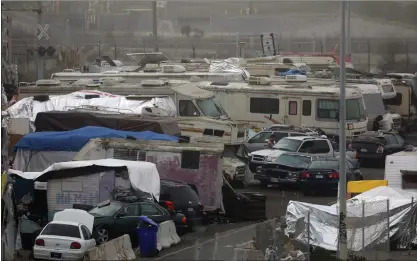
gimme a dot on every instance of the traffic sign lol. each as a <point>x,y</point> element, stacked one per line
<point>42,32</point>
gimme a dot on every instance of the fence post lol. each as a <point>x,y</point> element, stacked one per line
<point>308,235</point>
<point>216,244</point>
<point>197,250</point>
<point>388,215</point>
<point>363,226</point>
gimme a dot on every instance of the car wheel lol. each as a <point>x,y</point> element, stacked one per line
<point>103,235</point>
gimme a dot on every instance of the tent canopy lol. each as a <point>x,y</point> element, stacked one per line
<point>76,139</point>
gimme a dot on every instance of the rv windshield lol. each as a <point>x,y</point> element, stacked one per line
<point>374,104</point>
<point>354,109</point>
<point>211,108</point>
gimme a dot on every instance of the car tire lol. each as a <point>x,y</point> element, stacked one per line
<point>103,235</point>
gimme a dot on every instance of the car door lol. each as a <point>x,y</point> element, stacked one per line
<point>29,230</point>
<point>127,219</point>
<point>154,212</point>
<point>88,238</point>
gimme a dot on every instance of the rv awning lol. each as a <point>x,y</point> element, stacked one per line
<point>74,140</point>
<point>143,175</point>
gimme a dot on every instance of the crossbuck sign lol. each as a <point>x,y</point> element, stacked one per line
<point>43,32</point>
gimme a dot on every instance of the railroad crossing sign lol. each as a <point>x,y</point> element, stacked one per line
<point>42,32</point>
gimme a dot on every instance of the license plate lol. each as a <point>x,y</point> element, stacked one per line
<point>56,255</point>
<point>319,176</point>
<point>190,209</point>
<point>274,180</point>
<point>364,150</point>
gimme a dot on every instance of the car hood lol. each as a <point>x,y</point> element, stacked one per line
<point>262,152</point>
<point>276,153</point>
<point>75,215</point>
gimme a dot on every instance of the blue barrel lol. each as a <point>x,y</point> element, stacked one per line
<point>147,233</point>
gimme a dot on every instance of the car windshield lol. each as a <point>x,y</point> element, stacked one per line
<point>354,109</point>
<point>374,103</point>
<point>286,144</point>
<point>63,230</point>
<point>211,108</point>
<point>107,210</point>
<point>183,194</point>
<point>324,164</point>
<point>294,160</point>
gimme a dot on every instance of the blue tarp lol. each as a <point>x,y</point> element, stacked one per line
<point>292,72</point>
<point>74,140</point>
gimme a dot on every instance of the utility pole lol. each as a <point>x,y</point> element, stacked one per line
<point>155,25</point>
<point>99,49</point>
<point>348,46</point>
<point>343,251</point>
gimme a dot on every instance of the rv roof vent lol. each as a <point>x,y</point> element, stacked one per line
<point>152,83</point>
<point>176,68</point>
<point>151,67</point>
<point>259,80</point>
<point>48,82</point>
<point>296,78</point>
<point>112,80</point>
<point>68,70</point>
<point>111,72</point>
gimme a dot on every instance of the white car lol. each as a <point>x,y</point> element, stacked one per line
<point>64,239</point>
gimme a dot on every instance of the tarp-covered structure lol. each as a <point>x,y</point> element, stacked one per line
<point>38,150</point>
<point>69,120</point>
<point>89,100</point>
<point>368,217</point>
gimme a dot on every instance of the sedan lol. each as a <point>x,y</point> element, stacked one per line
<point>63,240</point>
<point>322,175</point>
<point>114,218</point>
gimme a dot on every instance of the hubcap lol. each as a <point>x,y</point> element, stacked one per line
<point>103,235</point>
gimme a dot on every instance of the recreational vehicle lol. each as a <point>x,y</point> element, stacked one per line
<point>177,72</point>
<point>401,170</point>
<point>295,102</point>
<point>200,116</point>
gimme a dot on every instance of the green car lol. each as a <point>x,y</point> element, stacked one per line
<point>114,218</point>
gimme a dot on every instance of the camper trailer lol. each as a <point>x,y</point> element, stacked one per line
<point>294,102</point>
<point>401,170</point>
<point>200,116</point>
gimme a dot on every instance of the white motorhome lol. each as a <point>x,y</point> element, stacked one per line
<point>374,107</point>
<point>294,102</point>
<point>200,116</point>
<point>386,88</point>
<point>401,170</point>
<point>174,72</point>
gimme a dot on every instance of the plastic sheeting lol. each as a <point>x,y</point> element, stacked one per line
<point>143,176</point>
<point>367,215</point>
<point>229,65</point>
<point>106,102</point>
<point>75,140</point>
<point>34,161</point>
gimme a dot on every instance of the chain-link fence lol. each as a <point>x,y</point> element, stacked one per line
<point>310,230</point>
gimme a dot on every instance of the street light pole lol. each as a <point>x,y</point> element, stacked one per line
<point>348,45</point>
<point>343,251</point>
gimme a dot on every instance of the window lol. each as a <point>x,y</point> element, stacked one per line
<point>130,211</point>
<point>286,144</point>
<point>292,108</point>
<point>190,160</point>
<point>183,194</point>
<point>320,146</point>
<point>62,230</point>
<point>296,161</point>
<point>306,108</point>
<point>27,226</point>
<point>324,164</point>
<point>327,109</point>
<point>306,147</point>
<point>409,179</point>
<point>149,210</point>
<point>397,100</point>
<point>211,108</point>
<point>260,137</point>
<point>188,109</point>
<point>86,232</point>
<point>264,105</point>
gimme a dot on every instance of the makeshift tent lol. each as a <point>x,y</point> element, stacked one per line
<point>66,121</point>
<point>38,150</point>
<point>91,181</point>
<point>366,220</point>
